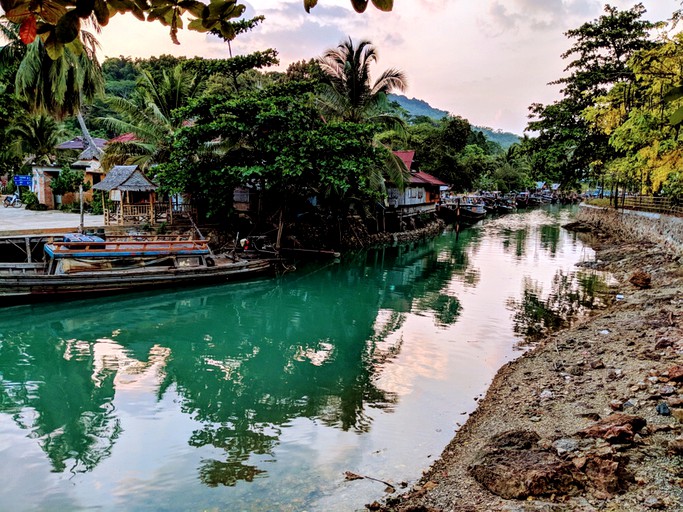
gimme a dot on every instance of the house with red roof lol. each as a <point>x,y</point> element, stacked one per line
<point>422,193</point>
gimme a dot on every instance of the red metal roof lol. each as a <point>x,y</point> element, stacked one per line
<point>125,137</point>
<point>423,177</point>
<point>419,177</point>
<point>406,156</point>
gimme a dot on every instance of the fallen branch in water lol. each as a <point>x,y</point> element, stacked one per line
<point>354,476</point>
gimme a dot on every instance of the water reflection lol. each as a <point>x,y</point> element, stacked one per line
<point>571,295</point>
<point>245,359</point>
<point>247,394</point>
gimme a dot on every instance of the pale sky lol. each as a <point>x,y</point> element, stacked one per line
<point>484,60</point>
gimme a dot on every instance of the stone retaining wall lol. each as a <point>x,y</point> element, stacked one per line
<point>663,230</point>
<point>430,230</point>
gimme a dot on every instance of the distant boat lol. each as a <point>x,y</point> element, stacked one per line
<point>463,209</point>
<point>90,265</point>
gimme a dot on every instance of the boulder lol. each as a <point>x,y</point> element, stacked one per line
<point>641,279</point>
<point>676,373</point>
<point>615,428</point>
<point>519,474</point>
<point>605,472</point>
<point>513,467</point>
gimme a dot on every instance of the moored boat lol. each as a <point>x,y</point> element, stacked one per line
<point>90,265</point>
<point>465,209</point>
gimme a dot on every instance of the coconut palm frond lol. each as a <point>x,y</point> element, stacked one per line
<point>348,93</point>
<point>396,170</point>
<point>390,80</point>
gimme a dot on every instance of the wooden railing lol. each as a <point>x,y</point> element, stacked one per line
<point>137,214</point>
<point>652,204</point>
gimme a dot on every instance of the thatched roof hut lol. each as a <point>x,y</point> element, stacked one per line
<point>126,178</point>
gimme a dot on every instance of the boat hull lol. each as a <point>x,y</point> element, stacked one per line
<point>26,287</point>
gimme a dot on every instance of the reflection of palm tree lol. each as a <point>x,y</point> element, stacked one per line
<point>148,115</point>
<point>261,368</point>
<point>73,418</point>
<point>570,295</point>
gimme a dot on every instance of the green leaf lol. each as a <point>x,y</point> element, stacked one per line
<point>196,8</point>
<point>359,5</point>
<point>68,27</point>
<point>161,14</point>
<point>676,118</point>
<point>383,5</point>
<point>200,25</point>
<point>101,12</point>
<point>674,94</point>
<point>54,48</point>
<point>76,47</point>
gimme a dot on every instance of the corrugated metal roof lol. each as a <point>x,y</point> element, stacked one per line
<point>77,143</point>
<point>406,156</point>
<point>424,178</point>
<point>124,137</point>
<point>126,178</point>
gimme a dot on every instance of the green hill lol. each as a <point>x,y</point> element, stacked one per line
<point>416,107</point>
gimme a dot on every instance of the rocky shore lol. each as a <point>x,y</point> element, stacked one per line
<point>592,418</point>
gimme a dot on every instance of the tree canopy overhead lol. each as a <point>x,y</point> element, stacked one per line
<point>58,22</point>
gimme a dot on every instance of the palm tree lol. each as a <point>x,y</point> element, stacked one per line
<point>348,94</point>
<point>148,116</point>
<point>57,87</point>
<point>36,135</point>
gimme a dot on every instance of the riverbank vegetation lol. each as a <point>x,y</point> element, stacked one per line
<point>317,139</point>
<point>617,123</point>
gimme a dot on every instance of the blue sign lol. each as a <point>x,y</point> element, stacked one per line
<point>22,180</point>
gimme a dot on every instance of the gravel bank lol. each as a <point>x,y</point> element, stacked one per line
<point>591,419</point>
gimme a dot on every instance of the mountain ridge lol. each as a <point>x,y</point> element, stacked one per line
<point>417,107</point>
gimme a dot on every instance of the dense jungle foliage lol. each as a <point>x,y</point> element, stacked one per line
<point>324,129</point>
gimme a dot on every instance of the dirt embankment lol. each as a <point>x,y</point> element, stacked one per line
<point>592,419</point>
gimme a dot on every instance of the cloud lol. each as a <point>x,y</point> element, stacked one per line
<point>538,15</point>
<point>294,33</point>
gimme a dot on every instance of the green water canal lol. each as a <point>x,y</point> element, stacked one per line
<point>259,396</point>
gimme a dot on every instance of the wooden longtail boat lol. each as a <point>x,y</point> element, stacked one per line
<point>463,210</point>
<point>89,265</point>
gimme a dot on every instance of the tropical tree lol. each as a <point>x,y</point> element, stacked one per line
<point>148,116</point>
<point>348,93</point>
<point>36,136</point>
<point>58,22</point>
<point>648,145</point>
<point>56,86</point>
<point>511,170</point>
<point>275,141</point>
<point>572,145</point>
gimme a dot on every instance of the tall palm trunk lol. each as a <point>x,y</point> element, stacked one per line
<point>90,149</point>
